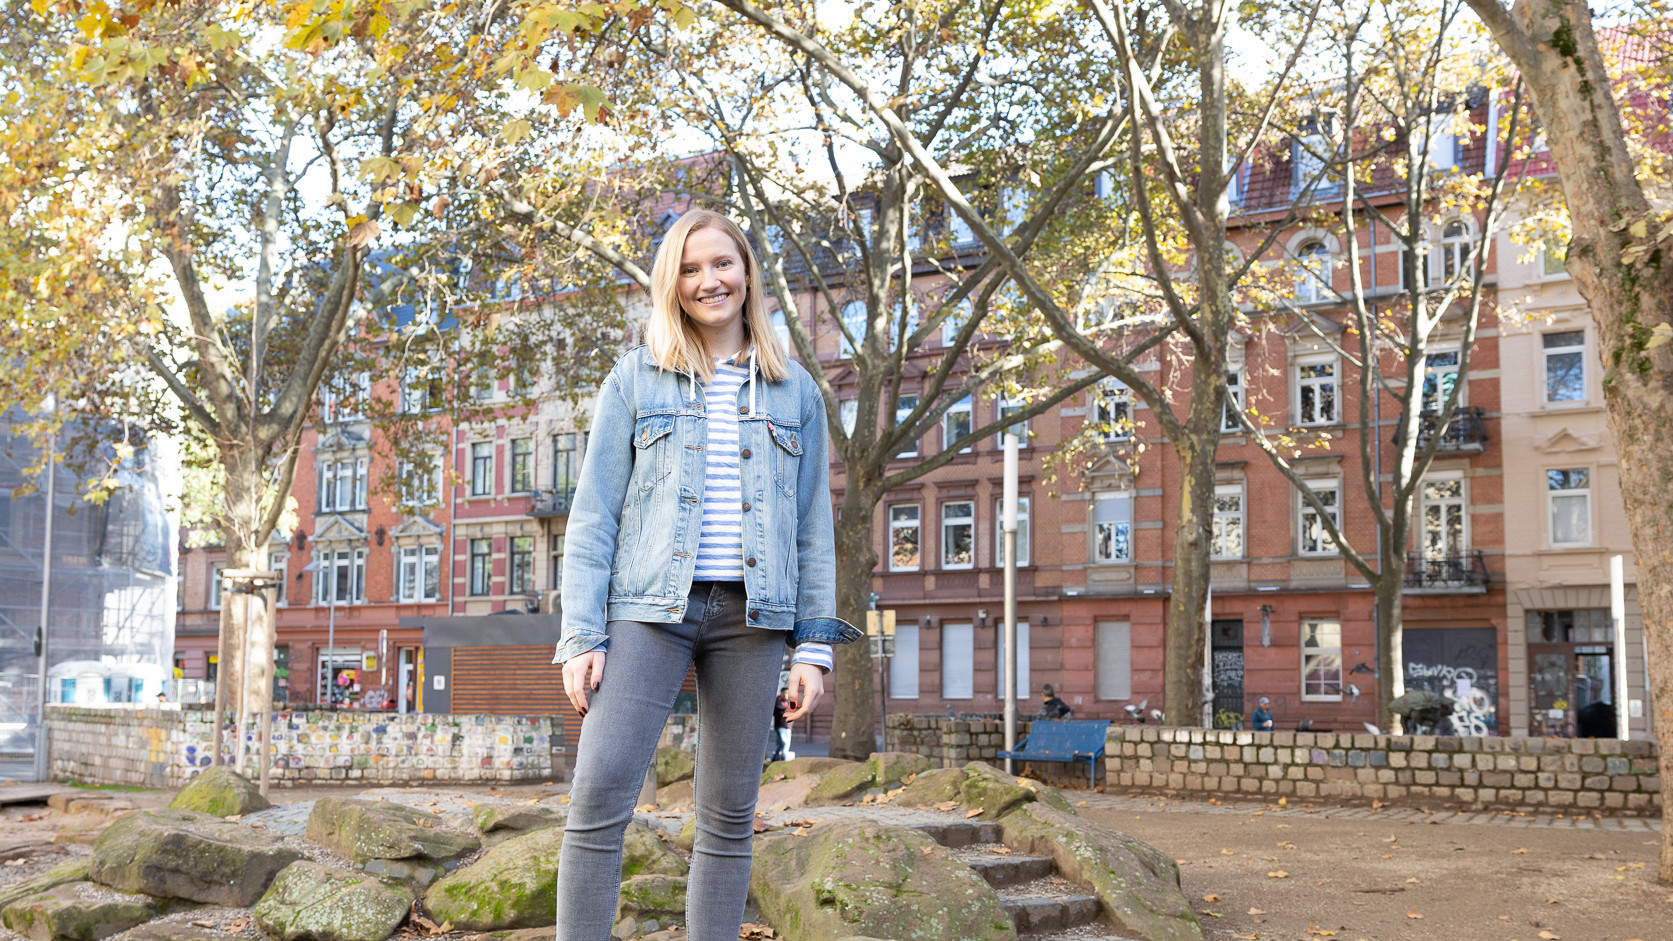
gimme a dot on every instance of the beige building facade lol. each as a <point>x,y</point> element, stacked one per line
<point>1565,517</point>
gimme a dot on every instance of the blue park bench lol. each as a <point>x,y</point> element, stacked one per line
<point>1067,740</point>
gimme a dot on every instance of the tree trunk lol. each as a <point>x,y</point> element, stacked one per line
<point>1556,51</point>
<point>1391,655</point>
<point>247,624</point>
<point>854,728</point>
<point>1186,632</point>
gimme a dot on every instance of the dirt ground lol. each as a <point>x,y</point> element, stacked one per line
<point>1263,872</point>
<point>1278,873</point>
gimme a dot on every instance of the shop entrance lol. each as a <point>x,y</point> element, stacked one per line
<point>1571,674</point>
<point>1226,658</point>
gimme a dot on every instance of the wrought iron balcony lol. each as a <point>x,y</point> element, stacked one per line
<point>1467,432</point>
<point>549,503</point>
<point>1453,573</point>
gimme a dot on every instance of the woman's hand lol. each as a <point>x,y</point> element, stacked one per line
<point>807,684</point>
<point>575,683</point>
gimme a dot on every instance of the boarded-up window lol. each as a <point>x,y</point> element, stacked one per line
<point>958,656</point>
<point>903,669</point>
<point>1113,648</point>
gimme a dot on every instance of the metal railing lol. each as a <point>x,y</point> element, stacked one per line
<point>551,503</point>
<point>1465,571</point>
<point>1467,431</point>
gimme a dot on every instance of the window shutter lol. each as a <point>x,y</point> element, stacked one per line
<point>1114,655</point>
<point>903,669</point>
<point>957,661</point>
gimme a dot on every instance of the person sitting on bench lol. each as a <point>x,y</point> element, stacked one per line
<point>1050,706</point>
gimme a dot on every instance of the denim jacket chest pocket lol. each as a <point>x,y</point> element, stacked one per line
<point>653,456</point>
<point>787,454</point>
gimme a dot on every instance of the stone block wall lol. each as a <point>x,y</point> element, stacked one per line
<point>949,741</point>
<point>1516,774</point>
<point>161,748</point>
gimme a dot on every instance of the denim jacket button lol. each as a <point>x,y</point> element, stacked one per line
<point>750,561</point>
<point>744,453</point>
<point>746,506</point>
<point>743,410</point>
<point>755,615</point>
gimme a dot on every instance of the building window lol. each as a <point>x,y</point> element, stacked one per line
<point>277,561</point>
<point>340,576</point>
<point>903,667</point>
<point>341,485</point>
<point>781,329</point>
<point>905,542</point>
<point>215,586</point>
<point>1321,659</point>
<point>1229,421</point>
<point>999,531</point>
<point>1440,377</point>
<point>343,398</point>
<point>1312,153</point>
<point>904,408</point>
<point>1315,385</point>
<point>1570,494</point>
<point>481,565</point>
<point>1553,259</point>
<point>482,469</point>
<point>1022,688</point>
<point>854,321</point>
<point>1226,538</point>
<point>1312,273</point>
<point>1581,626</point>
<point>849,414</point>
<point>556,578</point>
<point>1112,654</point>
<point>1315,539</point>
<point>955,424</point>
<point>420,573</point>
<point>522,465</point>
<point>958,661</point>
<point>1005,407</point>
<point>956,319</point>
<point>958,535</point>
<point>420,390</point>
<point>1112,526</point>
<point>1112,410</point>
<point>1565,366</point>
<point>1455,248</point>
<point>1443,519</point>
<point>521,573</point>
<point>420,485</point>
<point>566,462</point>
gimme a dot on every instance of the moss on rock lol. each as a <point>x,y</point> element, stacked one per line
<point>796,767</point>
<point>187,855</point>
<point>500,821</point>
<point>841,783</point>
<point>220,792</point>
<point>644,853</point>
<point>931,788</point>
<point>76,911</point>
<point>859,877</point>
<point>673,764</point>
<point>511,886</point>
<point>894,767</point>
<point>990,789</point>
<point>364,830</point>
<point>76,870</point>
<point>311,902</point>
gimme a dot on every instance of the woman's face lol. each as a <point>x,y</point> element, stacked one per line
<point>712,282</point>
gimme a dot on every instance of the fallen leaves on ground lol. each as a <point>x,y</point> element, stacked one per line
<point>1413,880</point>
<point>1251,936</point>
<point>1414,914</point>
<point>1277,874</point>
<point>946,805</point>
<point>761,826</point>
<point>1286,845</point>
<point>1321,932</point>
<point>1211,897</point>
<point>926,850</point>
<point>1257,911</point>
<point>755,932</point>
<point>973,812</point>
<point>1629,866</point>
<point>1225,852</point>
<point>641,809</point>
<point>1519,851</point>
<point>1550,936</point>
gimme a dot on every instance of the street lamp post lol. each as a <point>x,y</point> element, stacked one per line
<point>41,769</point>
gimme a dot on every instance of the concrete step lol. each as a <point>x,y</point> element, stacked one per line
<point>1010,870</point>
<point>1031,913</point>
<point>961,833</point>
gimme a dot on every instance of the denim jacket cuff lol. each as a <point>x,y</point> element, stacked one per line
<point>823,630</point>
<point>576,644</point>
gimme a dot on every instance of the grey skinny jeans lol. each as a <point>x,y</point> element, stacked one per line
<point>737,678</point>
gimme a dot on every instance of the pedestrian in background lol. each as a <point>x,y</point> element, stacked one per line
<point>1261,719</point>
<point>663,578</point>
<point>1050,706</point>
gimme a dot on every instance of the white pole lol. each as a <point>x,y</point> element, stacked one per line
<point>1207,659</point>
<point>41,745</point>
<point>1010,525</point>
<point>1618,612</point>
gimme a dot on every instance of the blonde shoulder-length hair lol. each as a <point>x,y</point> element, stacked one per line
<point>676,343</point>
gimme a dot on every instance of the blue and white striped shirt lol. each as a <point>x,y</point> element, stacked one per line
<point>720,540</point>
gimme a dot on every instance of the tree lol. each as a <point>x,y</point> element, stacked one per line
<point>1403,94</point>
<point>192,195</point>
<point>1618,259</point>
<point>857,246</point>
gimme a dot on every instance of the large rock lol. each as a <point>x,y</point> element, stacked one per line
<point>389,839</point>
<point>186,855</point>
<point>649,903</point>
<point>77,911</point>
<point>503,821</point>
<point>677,795</point>
<point>785,795</point>
<point>220,791</point>
<point>673,764</point>
<point>644,853</point>
<point>513,885</point>
<point>894,767</point>
<point>931,788</point>
<point>993,791</point>
<point>74,870</point>
<point>796,767</point>
<point>859,877</point>
<point>310,902</point>
<point>1138,885</point>
<point>841,784</point>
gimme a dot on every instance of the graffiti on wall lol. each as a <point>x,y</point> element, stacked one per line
<point>1461,663</point>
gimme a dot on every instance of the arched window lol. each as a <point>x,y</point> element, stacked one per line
<point>1312,274</point>
<point>1455,248</point>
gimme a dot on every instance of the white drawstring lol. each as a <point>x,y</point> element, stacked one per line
<point>752,380</point>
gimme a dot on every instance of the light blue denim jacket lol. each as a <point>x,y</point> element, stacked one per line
<point>631,544</point>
